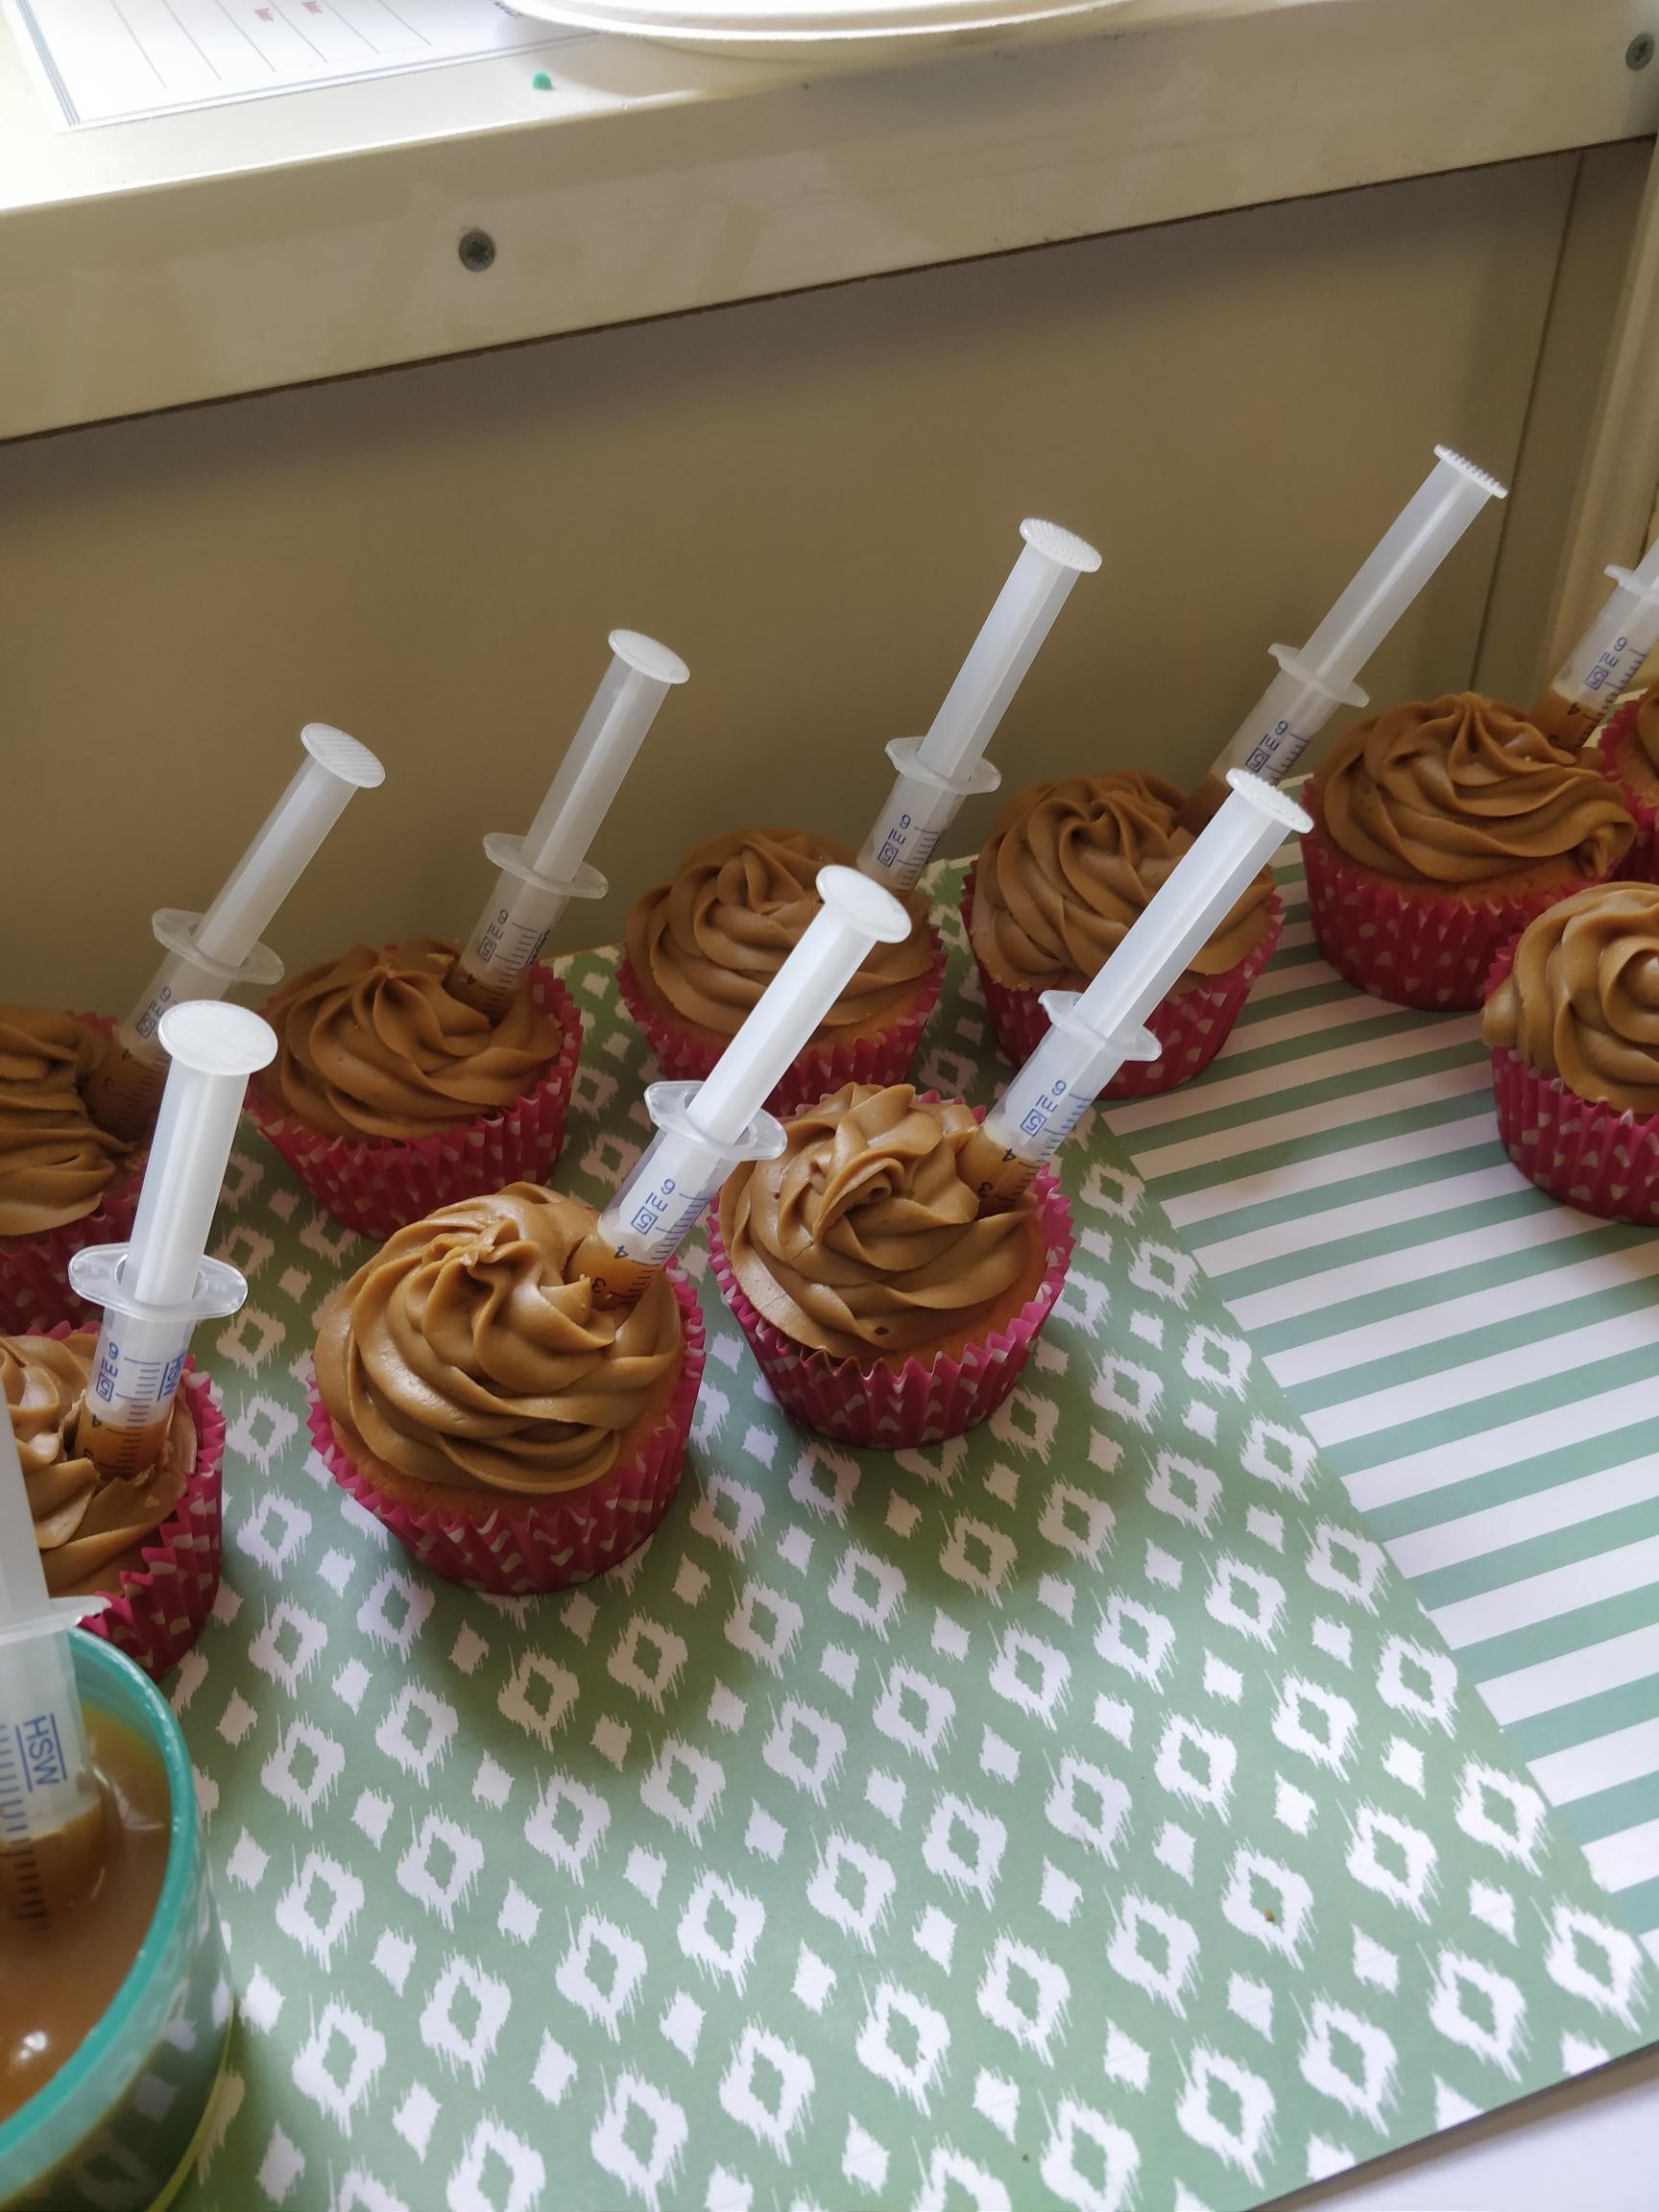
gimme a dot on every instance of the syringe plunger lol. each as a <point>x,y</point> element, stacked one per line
<point>1092,1033</point>
<point>540,872</point>
<point>155,1289</point>
<point>208,954</point>
<point>938,772</point>
<point>1314,682</point>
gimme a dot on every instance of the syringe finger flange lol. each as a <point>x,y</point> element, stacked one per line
<point>177,930</point>
<point>507,852</point>
<point>95,1273</point>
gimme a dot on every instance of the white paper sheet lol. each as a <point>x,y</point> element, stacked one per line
<point>111,61</point>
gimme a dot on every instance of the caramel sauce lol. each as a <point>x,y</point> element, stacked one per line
<point>75,1908</point>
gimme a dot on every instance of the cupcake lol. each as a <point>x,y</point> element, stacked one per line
<point>700,951</point>
<point>884,1307</point>
<point>1629,750</point>
<point>388,1097</point>
<point>1067,870</point>
<point>1440,829</point>
<point>64,1181</point>
<point>471,1394</point>
<point>151,1543</point>
<point>1573,1023</point>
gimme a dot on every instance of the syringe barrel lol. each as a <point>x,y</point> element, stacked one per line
<point>1284,720</point>
<point>1410,551</point>
<point>640,678</point>
<point>669,1190</point>
<point>920,808</point>
<point>664,1197</point>
<point>1024,613</point>
<point>855,916</point>
<point>286,841</point>
<point>1061,1079</point>
<point>129,1402</point>
<point>1609,656</point>
<point>1181,914</point>
<point>46,1778</point>
<point>506,940</point>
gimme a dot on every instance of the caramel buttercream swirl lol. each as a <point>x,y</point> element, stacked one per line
<point>1071,866</point>
<point>375,1044</point>
<point>709,943</point>
<point>1648,726</point>
<point>1463,790</point>
<point>84,1522</point>
<point>1583,999</point>
<point>55,1163</point>
<point>468,1352</point>
<point>864,1236</point>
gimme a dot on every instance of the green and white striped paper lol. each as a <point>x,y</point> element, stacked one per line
<point>1479,1363</point>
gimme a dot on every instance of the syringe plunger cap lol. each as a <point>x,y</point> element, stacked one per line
<point>215,1037</point>
<point>344,757</point>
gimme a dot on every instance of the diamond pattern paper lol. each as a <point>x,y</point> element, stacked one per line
<point>1081,1812</point>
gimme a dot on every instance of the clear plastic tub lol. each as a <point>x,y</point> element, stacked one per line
<point>117,2129</point>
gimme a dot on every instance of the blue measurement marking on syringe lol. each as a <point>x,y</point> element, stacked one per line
<point>1616,667</point>
<point>40,1748</point>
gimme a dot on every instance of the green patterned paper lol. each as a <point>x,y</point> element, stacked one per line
<point>1078,1813</point>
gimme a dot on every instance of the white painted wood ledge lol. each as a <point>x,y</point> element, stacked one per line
<point>153,263</point>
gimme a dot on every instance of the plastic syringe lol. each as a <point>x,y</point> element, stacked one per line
<point>543,871</point>
<point>208,954</point>
<point>47,1785</point>
<point>705,1129</point>
<point>1093,1032</point>
<point>155,1289</point>
<point>937,772</point>
<point>1606,659</point>
<point>1313,683</point>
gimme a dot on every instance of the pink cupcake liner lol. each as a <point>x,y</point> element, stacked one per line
<point>34,1293</point>
<point>159,1608</point>
<point>1412,946</point>
<point>522,1550</point>
<point>895,1408</point>
<point>377,1188</point>
<point>883,1059</point>
<point>1619,749</point>
<point>1586,1154</point>
<point>1192,1025</point>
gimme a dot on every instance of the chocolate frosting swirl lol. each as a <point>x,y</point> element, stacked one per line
<point>1583,999</point>
<point>1648,726</point>
<point>864,1236</point>
<point>55,1163</point>
<point>372,1045</point>
<point>1463,790</point>
<point>84,1522</point>
<point>708,944</point>
<point>1070,866</point>
<point>468,1352</point>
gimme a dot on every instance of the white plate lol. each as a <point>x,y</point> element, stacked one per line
<point>871,27</point>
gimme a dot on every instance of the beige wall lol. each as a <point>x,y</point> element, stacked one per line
<point>813,498</point>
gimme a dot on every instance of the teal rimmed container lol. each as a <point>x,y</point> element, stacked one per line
<point>116,2129</point>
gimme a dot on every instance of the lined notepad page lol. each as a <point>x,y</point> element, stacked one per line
<point>111,61</point>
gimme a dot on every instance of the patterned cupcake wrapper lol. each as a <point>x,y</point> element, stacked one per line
<point>1413,948</point>
<point>377,1188</point>
<point>1618,746</point>
<point>887,1058</point>
<point>159,1609</point>
<point>531,1547</point>
<point>1191,1025</point>
<point>35,1294</point>
<point>1586,1154</point>
<point>922,1401</point>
